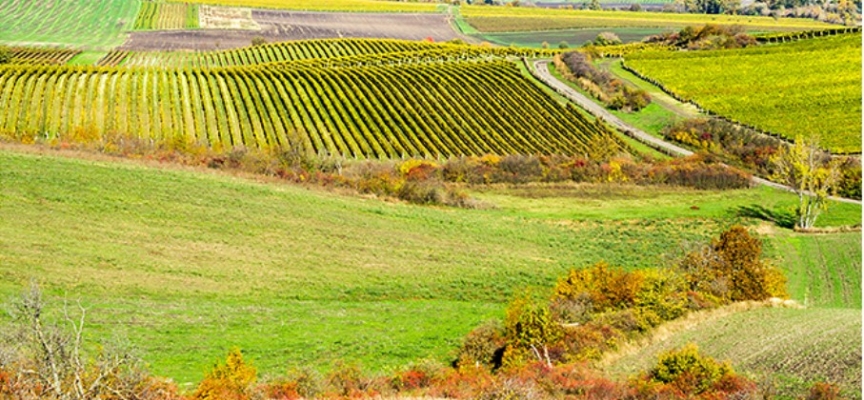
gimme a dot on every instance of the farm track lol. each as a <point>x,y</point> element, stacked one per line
<point>276,26</point>
<point>541,72</point>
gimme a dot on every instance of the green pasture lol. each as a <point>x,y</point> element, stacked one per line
<point>69,23</point>
<point>186,264</point>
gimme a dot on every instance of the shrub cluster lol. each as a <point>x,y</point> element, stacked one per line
<point>751,150</point>
<point>592,310</point>
<point>706,37</point>
<point>577,67</point>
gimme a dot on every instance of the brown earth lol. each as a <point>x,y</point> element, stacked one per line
<point>293,25</point>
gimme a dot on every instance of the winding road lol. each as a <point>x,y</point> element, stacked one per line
<point>540,70</point>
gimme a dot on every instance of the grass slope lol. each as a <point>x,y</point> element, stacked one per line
<point>814,88</point>
<point>96,24</point>
<point>187,264</point>
<point>791,347</point>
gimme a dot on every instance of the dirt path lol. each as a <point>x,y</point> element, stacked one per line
<point>541,71</point>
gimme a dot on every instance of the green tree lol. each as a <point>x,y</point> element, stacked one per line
<point>811,174</point>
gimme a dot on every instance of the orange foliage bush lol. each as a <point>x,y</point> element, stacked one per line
<point>231,380</point>
<point>606,288</point>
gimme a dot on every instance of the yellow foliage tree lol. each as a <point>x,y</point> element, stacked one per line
<point>231,380</point>
<point>802,167</point>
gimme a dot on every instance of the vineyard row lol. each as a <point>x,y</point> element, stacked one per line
<point>445,109</point>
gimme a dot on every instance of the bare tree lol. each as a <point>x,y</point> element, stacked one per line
<point>49,361</point>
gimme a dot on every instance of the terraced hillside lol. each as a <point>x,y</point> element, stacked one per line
<point>813,90</point>
<point>96,24</point>
<point>791,348</point>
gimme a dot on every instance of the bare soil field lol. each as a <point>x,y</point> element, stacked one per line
<point>293,25</point>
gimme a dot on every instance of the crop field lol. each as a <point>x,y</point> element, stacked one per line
<point>514,19</point>
<point>237,28</point>
<point>96,24</point>
<point>155,15</point>
<point>330,5</point>
<point>815,90</point>
<point>791,347</point>
<point>186,264</point>
<point>382,111</point>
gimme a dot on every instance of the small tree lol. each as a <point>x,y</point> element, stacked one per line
<point>259,41</point>
<point>563,44</point>
<point>529,324</point>
<point>231,380</point>
<point>811,174</point>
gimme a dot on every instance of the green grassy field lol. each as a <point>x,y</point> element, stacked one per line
<point>793,348</point>
<point>514,19</point>
<point>187,264</point>
<point>96,24</point>
<point>823,72</point>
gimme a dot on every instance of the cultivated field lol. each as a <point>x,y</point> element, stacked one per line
<point>513,19</point>
<point>167,16</point>
<point>188,264</point>
<point>96,24</point>
<point>815,90</point>
<point>276,26</point>
<point>793,348</point>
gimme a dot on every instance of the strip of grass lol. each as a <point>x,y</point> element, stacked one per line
<point>87,58</point>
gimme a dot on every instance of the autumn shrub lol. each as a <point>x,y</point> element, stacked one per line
<point>662,296</point>
<point>577,67</point>
<point>731,269</point>
<point>483,346</point>
<point>605,287</point>
<point>231,380</point>
<point>824,391</point>
<point>684,373</point>
<point>302,383</point>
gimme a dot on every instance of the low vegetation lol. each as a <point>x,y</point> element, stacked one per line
<point>158,15</point>
<point>614,93</point>
<point>725,83</point>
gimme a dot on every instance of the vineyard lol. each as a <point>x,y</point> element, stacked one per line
<point>161,16</point>
<point>516,19</point>
<point>29,55</point>
<point>813,88</point>
<point>97,24</point>
<point>440,109</point>
<point>322,53</point>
